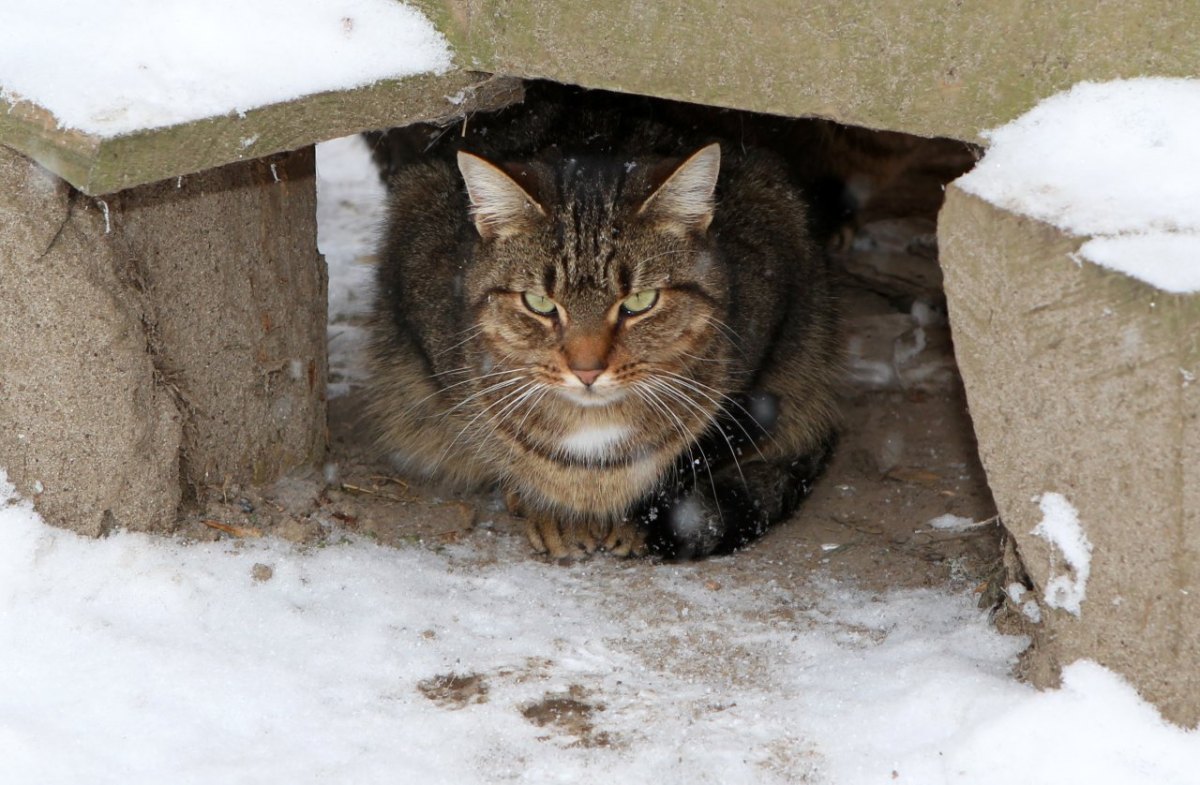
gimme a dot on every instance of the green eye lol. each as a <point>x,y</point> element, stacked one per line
<point>640,302</point>
<point>543,306</point>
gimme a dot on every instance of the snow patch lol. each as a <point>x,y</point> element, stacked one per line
<point>1060,528</point>
<point>114,68</point>
<point>688,516</point>
<point>351,208</point>
<point>949,522</point>
<point>1170,262</point>
<point>1116,161</point>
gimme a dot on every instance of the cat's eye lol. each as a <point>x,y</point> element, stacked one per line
<point>542,306</point>
<point>640,302</point>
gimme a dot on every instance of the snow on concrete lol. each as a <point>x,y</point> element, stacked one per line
<point>1169,261</point>
<point>1116,161</point>
<point>139,660</point>
<point>1060,527</point>
<point>114,68</point>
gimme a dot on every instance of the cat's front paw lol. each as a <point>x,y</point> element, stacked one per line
<point>559,539</point>
<point>626,539</point>
<point>567,540</point>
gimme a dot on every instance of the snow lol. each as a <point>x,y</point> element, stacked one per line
<point>950,522</point>
<point>1116,161</point>
<point>350,210</point>
<point>1060,527</point>
<point>1170,262</point>
<point>134,659</point>
<point>114,68</point>
<point>138,660</point>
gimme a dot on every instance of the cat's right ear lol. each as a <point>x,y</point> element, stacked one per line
<point>500,207</point>
<point>684,201</point>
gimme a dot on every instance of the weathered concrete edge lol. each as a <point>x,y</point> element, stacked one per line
<point>99,166</point>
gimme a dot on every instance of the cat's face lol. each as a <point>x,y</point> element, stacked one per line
<point>595,287</point>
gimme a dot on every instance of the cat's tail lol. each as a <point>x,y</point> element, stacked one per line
<point>725,511</point>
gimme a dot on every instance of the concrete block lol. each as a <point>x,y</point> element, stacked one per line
<point>86,429</point>
<point>237,294</point>
<point>1083,382</point>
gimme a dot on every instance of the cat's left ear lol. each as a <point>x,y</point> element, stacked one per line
<point>499,205</point>
<point>685,199</point>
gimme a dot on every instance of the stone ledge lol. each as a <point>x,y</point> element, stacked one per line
<point>97,165</point>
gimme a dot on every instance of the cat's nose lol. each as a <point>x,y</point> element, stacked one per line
<point>587,377</point>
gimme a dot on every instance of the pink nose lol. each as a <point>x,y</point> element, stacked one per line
<point>587,377</point>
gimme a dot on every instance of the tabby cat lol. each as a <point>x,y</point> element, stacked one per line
<point>623,324</point>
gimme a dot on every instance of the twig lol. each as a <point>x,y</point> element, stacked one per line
<point>236,531</point>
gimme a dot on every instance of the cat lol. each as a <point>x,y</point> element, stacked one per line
<point>625,325</point>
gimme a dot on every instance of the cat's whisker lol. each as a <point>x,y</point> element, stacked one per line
<point>682,397</point>
<point>513,448</point>
<point>546,388</point>
<point>466,368</point>
<point>652,400</point>
<point>701,388</point>
<point>691,456</point>
<point>505,397</point>
<point>728,333</point>
<point>451,386</point>
<point>485,391</point>
<point>697,358</point>
<point>516,403</point>
<point>449,371</point>
<point>478,377</point>
<point>494,421</point>
<point>661,254</point>
<point>474,332</point>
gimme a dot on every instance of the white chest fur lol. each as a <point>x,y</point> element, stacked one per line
<point>594,441</point>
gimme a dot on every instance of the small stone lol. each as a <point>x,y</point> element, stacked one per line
<point>261,573</point>
<point>301,532</point>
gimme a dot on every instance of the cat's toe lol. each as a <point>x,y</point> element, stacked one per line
<point>626,539</point>
<point>513,503</point>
